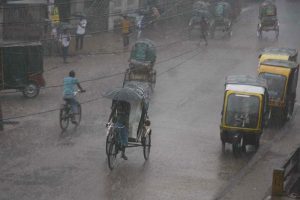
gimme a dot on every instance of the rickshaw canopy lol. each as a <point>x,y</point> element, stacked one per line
<point>144,51</point>
<point>200,5</point>
<point>280,63</point>
<point>128,94</point>
<point>245,80</point>
<point>222,9</point>
<point>267,9</point>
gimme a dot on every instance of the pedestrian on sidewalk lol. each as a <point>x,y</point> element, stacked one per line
<point>125,31</point>
<point>204,29</point>
<point>80,32</point>
<point>65,39</point>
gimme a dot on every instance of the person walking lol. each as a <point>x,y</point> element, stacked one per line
<point>80,32</point>
<point>204,29</point>
<point>125,31</point>
<point>65,39</point>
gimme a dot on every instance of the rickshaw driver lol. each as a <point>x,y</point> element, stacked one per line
<point>69,92</point>
<point>121,118</point>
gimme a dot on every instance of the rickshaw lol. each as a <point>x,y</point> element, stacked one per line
<point>268,18</point>
<point>245,112</point>
<point>141,63</point>
<point>282,79</point>
<point>139,131</point>
<point>21,67</point>
<point>222,19</point>
<point>278,54</point>
<point>200,9</point>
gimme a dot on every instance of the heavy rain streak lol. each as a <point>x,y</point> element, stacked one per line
<point>153,99</point>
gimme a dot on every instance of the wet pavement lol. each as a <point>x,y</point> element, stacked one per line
<point>186,160</point>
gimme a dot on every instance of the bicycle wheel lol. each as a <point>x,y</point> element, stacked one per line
<point>112,154</point>
<point>63,118</point>
<point>146,146</point>
<point>77,116</point>
<point>109,138</point>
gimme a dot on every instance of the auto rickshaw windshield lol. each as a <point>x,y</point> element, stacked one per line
<point>242,111</point>
<point>276,85</point>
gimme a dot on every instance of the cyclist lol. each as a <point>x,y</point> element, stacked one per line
<point>69,92</point>
<point>120,115</point>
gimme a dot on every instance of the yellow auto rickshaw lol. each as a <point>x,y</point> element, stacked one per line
<point>278,54</point>
<point>282,78</point>
<point>245,112</point>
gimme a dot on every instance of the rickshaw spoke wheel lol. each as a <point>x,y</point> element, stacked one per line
<point>63,119</point>
<point>109,138</point>
<point>147,146</point>
<point>112,154</point>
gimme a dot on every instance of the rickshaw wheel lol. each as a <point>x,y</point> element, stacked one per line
<point>63,119</point>
<point>147,146</point>
<point>276,34</point>
<point>112,154</point>
<point>31,90</point>
<point>109,138</point>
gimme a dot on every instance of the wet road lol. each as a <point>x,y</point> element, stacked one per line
<point>186,161</point>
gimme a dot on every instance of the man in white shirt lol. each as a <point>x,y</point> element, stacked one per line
<point>80,32</point>
<point>65,39</point>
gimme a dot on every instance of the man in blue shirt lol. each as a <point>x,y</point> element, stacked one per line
<point>69,91</point>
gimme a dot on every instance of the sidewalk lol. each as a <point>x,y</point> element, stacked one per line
<point>255,180</point>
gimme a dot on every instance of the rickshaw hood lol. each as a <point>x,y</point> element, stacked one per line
<point>274,70</point>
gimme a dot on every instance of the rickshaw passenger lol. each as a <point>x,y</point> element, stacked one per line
<point>121,113</point>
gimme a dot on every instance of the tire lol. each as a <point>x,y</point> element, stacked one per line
<point>147,146</point>
<point>277,34</point>
<point>64,118</point>
<point>153,79</point>
<point>290,109</point>
<point>77,116</point>
<point>112,155</point>
<point>223,146</point>
<point>259,32</point>
<point>257,142</point>
<point>237,146</point>
<point>31,90</point>
<point>109,138</point>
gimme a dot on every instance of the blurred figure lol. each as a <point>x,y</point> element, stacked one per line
<point>125,31</point>
<point>204,29</point>
<point>80,32</point>
<point>65,39</point>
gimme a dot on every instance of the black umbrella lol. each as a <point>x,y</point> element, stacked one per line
<point>125,94</point>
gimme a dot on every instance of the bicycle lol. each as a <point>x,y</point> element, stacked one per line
<point>66,114</point>
<point>113,145</point>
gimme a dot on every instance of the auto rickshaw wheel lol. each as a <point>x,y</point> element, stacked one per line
<point>257,142</point>
<point>31,90</point>
<point>290,109</point>
<point>237,146</point>
<point>146,140</point>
